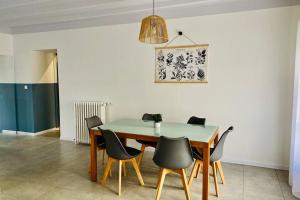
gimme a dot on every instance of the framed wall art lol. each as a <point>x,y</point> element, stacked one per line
<point>181,64</point>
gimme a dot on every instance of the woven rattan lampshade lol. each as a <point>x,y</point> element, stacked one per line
<point>153,30</point>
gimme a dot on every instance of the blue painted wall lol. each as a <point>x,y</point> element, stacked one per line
<point>25,115</point>
<point>7,107</point>
<point>45,107</point>
<point>29,110</point>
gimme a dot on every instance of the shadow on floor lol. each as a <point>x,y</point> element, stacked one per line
<point>53,134</point>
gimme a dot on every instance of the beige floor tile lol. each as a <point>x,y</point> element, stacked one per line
<point>47,168</point>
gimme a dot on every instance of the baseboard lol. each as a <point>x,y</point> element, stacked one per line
<point>9,132</point>
<point>69,139</point>
<point>45,131</point>
<point>256,164</point>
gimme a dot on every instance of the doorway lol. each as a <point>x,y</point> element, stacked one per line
<point>46,93</point>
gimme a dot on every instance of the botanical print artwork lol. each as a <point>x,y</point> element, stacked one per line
<point>181,64</point>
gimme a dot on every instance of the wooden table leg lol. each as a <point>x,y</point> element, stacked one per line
<point>93,157</point>
<point>205,184</point>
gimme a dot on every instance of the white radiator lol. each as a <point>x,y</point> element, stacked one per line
<point>84,109</point>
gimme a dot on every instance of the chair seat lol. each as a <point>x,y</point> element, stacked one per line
<point>198,155</point>
<point>147,143</point>
<point>132,151</point>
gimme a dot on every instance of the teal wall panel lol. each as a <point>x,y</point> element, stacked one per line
<point>29,110</point>
<point>7,107</point>
<point>24,102</point>
<point>45,106</point>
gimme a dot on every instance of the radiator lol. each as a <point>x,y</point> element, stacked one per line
<point>82,110</point>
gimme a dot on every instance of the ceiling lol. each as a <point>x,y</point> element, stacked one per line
<point>25,16</point>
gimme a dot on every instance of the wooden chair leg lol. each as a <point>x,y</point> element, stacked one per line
<point>141,155</point>
<point>137,170</point>
<point>161,183</point>
<point>220,169</point>
<point>185,184</point>
<point>103,156</point>
<point>196,175</point>
<point>194,170</point>
<point>120,176</point>
<point>106,171</point>
<point>214,167</point>
<point>201,167</point>
<point>124,168</point>
<point>111,171</point>
<point>158,178</point>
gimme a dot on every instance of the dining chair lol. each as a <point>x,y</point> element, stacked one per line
<point>196,121</point>
<point>93,122</point>
<point>216,154</point>
<point>173,155</point>
<point>118,153</point>
<point>146,117</point>
<point>201,122</point>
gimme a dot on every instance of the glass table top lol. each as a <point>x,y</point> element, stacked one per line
<point>168,129</point>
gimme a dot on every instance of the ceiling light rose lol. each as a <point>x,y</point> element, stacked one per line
<point>153,30</point>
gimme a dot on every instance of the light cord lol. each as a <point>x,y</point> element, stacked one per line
<point>153,8</point>
<point>177,36</point>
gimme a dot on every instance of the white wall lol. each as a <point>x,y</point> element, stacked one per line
<point>7,74</point>
<point>43,67</point>
<point>295,139</point>
<point>6,44</point>
<point>250,77</point>
<point>6,60</point>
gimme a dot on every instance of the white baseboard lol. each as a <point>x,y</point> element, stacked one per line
<point>45,131</point>
<point>256,164</point>
<point>9,132</point>
<point>69,139</point>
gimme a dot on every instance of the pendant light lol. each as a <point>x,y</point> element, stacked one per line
<point>153,29</point>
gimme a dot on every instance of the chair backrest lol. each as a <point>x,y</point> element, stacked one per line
<point>152,117</point>
<point>218,150</point>
<point>173,153</point>
<point>196,121</point>
<point>114,147</point>
<point>93,122</point>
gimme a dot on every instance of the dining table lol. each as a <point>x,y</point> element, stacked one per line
<point>203,137</point>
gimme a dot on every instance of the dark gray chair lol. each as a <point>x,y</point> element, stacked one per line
<point>93,122</point>
<point>196,121</point>
<point>216,154</point>
<point>146,117</point>
<point>173,155</point>
<point>118,153</point>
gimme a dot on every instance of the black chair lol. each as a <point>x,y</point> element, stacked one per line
<point>93,122</point>
<point>173,155</point>
<point>146,117</point>
<point>196,121</point>
<point>216,154</point>
<point>201,122</point>
<point>118,153</point>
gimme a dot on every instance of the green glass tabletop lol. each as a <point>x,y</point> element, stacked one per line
<point>168,129</point>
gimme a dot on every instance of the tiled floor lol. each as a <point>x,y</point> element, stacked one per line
<point>46,168</point>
